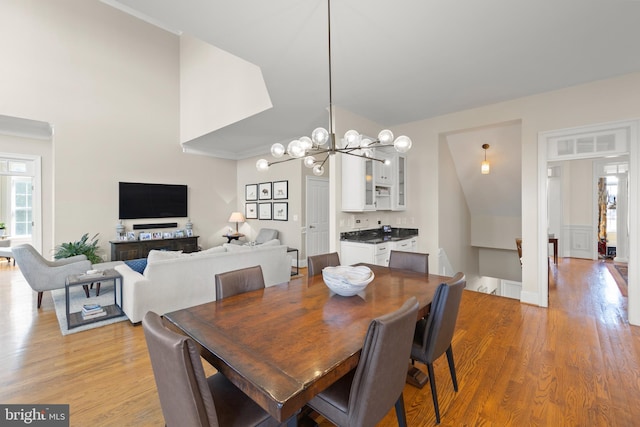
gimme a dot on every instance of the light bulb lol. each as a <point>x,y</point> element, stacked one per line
<point>365,144</point>
<point>306,143</point>
<point>352,138</point>
<point>385,137</point>
<point>320,136</point>
<point>294,149</point>
<point>318,170</point>
<point>262,165</point>
<point>309,161</point>
<point>402,144</point>
<point>277,150</point>
<point>485,167</point>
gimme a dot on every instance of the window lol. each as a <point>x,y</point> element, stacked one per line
<point>21,206</point>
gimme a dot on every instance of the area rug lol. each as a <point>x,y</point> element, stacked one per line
<point>620,274</point>
<point>624,272</point>
<point>77,298</point>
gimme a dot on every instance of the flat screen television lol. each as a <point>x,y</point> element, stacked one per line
<point>137,200</point>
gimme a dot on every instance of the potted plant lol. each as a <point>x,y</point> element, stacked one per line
<point>80,247</point>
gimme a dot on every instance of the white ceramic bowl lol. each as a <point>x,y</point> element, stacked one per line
<point>347,281</point>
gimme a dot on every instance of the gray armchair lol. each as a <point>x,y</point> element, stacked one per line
<point>44,275</point>
<point>266,234</point>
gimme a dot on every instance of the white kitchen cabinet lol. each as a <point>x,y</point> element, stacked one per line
<point>407,245</point>
<point>358,191</point>
<point>399,189</point>
<point>384,172</point>
<point>378,254</point>
<point>369,185</point>
<point>354,252</point>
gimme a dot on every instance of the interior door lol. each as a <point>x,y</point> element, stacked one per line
<point>317,214</point>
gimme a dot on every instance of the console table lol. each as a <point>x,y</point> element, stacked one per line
<point>122,250</point>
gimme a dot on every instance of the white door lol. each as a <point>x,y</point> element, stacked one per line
<point>317,207</point>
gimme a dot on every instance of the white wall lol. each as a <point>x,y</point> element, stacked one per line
<point>109,84</point>
<point>216,88</point>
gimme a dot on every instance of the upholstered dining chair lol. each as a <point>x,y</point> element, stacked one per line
<point>413,261</point>
<point>44,275</point>
<point>315,263</point>
<point>365,395</point>
<point>434,334</point>
<point>187,397</point>
<point>238,281</point>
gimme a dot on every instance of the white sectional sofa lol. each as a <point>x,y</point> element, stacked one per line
<point>172,281</point>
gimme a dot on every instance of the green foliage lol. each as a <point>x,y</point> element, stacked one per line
<point>2,226</point>
<point>80,247</point>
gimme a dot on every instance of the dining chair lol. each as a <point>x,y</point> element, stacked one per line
<point>365,395</point>
<point>238,281</point>
<point>434,334</point>
<point>412,261</point>
<point>187,396</point>
<point>316,263</point>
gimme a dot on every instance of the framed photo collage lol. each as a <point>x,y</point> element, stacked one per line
<point>263,201</point>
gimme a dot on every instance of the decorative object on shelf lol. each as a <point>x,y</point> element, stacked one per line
<point>131,235</point>
<point>264,191</point>
<point>485,167</point>
<point>157,235</point>
<point>80,247</point>
<point>2,228</point>
<point>251,192</point>
<point>145,236</point>
<point>188,225</point>
<point>280,211</point>
<point>120,234</point>
<point>236,217</point>
<point>265,211</point>
<point>280,190</point>
<point>251,211</point>
<point>308,148</point>
<point>178,234</point>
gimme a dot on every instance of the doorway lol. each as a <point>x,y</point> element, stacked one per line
<point>20,210</point>
<point>595,142</point>
<point>317,215</point>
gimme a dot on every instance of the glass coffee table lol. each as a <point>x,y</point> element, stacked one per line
<point>99,313</point>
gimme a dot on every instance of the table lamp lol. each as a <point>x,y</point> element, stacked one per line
<point>236,217</point>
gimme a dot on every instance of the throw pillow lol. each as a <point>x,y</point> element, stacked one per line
<point>155,255</point>
<point>137,264</point>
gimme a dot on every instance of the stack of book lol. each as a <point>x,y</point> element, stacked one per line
<point>90,311</point>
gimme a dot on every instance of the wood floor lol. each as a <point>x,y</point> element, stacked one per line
<point>574,364</point>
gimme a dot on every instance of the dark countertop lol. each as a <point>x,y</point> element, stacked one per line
<point>376,235</point>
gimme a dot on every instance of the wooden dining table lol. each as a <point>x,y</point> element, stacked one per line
<point>284,344</point>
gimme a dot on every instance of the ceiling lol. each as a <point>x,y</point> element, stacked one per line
<point>402,61</point>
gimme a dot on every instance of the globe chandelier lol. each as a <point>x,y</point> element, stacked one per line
<point>316,150</point>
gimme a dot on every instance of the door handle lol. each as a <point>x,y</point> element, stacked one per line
<point>312,226</point>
